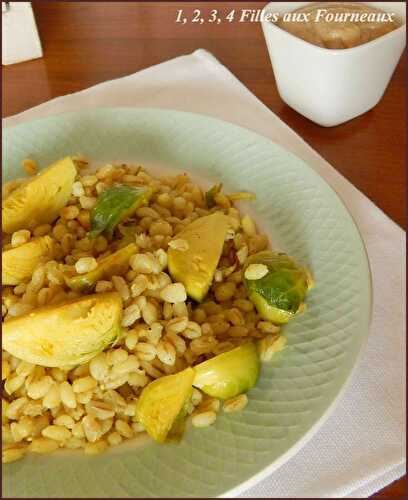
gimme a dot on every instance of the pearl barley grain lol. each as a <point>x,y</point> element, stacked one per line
<point>139,285</point>
<point>166,352</point>
<point>95,448</point>
<point>38,389</point>
<point>180,309</point>
<point>248,226</point>
<point>149,313</point>
<point>256,271</point>
<point>12,454</point>
<point>78,189</point>
<point>196,397</point>
<point>116,356</point>
<point>124,429</point>
<point>144,263</point>
<point>174,293</point>
<point>20,237</point>
<point>192,331</point>
<point>103,286</point>
<point>43,445</point>
<point>83,384</point>
<point>224,291</point>
<point>12,384</point>
<point>67,395</point>
<point>92,428</point>
<point>52,399</point>
<point>114,438</point>
<point>65,421</point>
<point>98,367</point>
<point>70,212</point>
<point>57,432</point>
<point>242,254</point>
<point>204,419</point>
<point>85,265</point>
<point>14,409</point>
<point>177,325</point>
<point>131,340</point>
<point>121,286</point>
<point>130,315</point>
<point>270,345</point>
<point>235,404</point>
<point>30,166</point>
<point>87,202</point>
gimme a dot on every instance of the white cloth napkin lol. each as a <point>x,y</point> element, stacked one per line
<point>361,447</point>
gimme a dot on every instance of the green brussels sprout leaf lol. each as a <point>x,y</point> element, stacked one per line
<point>114,205</point>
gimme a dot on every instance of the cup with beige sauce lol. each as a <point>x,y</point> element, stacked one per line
<point>328,70</point>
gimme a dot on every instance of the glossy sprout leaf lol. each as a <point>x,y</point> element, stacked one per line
<point>114,205</point>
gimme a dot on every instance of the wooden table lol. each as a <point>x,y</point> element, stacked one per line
<point>86,43</point>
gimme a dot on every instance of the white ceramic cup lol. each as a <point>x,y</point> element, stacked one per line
<point>332,86</point>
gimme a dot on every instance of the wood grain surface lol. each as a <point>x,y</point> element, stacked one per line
<point>89,42</point>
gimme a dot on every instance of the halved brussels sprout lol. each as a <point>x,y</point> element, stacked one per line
<point>114,264</point>
<point>162,402</point>
<point>40,199</point>
<point>279,295</point>
<point>114,205</point>
<point>19,263</point>
<point>195,267</point>
<point>230,373</point>
<point>71,333</point>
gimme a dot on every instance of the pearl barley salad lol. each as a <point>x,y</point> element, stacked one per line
<point>131,303</point>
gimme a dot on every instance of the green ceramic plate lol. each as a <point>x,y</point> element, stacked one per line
<point>305,218</point>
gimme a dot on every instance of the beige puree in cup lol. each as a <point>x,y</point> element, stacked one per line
<point>339,25</point>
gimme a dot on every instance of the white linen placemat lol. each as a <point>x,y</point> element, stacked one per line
<point>361,447</point>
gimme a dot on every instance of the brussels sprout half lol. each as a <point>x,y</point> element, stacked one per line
<point>196,266</point>
<point>70,333</point>
<point>162,405</point>
<point>39,199</point>
<point>20,262</point>
<point>230,373</point>
<point>280,294</point>
<point>116,263</point>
